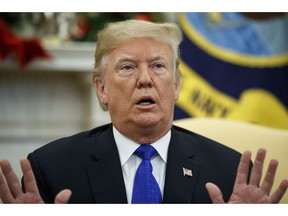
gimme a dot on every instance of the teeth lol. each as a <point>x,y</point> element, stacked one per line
<point>145,103</point>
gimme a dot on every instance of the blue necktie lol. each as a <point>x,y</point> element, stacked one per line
<point>146,188</point>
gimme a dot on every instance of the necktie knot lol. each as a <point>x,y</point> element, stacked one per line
<point>145,152</point>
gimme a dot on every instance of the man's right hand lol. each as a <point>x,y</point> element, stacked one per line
<point>11,190</point>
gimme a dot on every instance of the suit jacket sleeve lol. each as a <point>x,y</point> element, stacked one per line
<point>86,163</point>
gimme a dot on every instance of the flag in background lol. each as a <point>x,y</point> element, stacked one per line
<point>234,67</point>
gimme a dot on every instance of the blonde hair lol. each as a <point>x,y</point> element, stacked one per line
<point>116,32</point>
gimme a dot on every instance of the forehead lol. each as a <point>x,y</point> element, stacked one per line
<point>142,47</point>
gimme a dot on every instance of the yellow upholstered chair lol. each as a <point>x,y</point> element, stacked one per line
<point>243,136</point>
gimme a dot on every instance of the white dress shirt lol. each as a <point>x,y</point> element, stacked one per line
<point>130,162</point>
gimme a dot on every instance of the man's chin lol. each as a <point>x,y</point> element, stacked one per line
<point>149,121</point>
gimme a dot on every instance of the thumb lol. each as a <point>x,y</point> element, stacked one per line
<point>63,197</point>
<point>214,193</point>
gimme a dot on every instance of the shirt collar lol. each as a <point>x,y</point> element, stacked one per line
<point>126,146</point>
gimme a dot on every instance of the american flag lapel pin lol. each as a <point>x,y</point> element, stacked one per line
<point>187,172</point>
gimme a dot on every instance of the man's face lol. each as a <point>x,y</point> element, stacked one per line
<point>139,85</point>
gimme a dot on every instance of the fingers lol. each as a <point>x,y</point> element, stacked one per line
<point>5,193</point>
<point>10,188</point>
<point>256,175</point>
<point>28,177</point>
<point>268,181</point>
<point>257,169</point>
<point>63,196</point>
<point>214,193</point>
<point>279,193</point>
<point>243,168</point>
<point>270,176</point>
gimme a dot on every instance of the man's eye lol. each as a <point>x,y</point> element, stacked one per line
<point>159,68</point>
<point>127,67</point>
<point>126,70</point>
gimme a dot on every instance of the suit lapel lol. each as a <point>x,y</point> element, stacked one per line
<point>179,188</point>
<point>106,178</point>
<point>105,174</point>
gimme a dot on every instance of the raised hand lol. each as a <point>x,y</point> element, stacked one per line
<point>252,192</point>
<point>10,187</point>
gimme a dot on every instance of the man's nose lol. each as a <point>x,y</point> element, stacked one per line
<point>144,79</point>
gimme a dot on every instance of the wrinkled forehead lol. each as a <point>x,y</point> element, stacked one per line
<point>122,57</point>
<point>142,48</point>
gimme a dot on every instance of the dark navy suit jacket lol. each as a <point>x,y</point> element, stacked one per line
<point>88,164</point>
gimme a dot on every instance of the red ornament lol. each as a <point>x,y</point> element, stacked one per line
<point>25,49</point>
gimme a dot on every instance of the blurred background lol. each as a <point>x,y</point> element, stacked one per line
<point>234,65</point>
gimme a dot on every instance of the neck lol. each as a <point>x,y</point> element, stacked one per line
<point>144,135</point>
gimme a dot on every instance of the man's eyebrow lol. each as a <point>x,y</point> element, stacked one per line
<point>128,58</point>
<point>124,58</point>
<point>157,58</point>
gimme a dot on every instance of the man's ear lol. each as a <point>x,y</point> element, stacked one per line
<point>100,88</point>
<point>177,90</point>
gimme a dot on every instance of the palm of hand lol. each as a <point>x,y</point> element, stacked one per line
<point>249,194</point>
<point>11,191</point>
<point>28,198</point>
<point>252,192</point>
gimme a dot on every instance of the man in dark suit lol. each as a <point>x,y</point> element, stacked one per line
<point>137,80</point>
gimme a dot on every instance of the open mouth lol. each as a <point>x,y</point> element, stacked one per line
<point>146,102</point>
